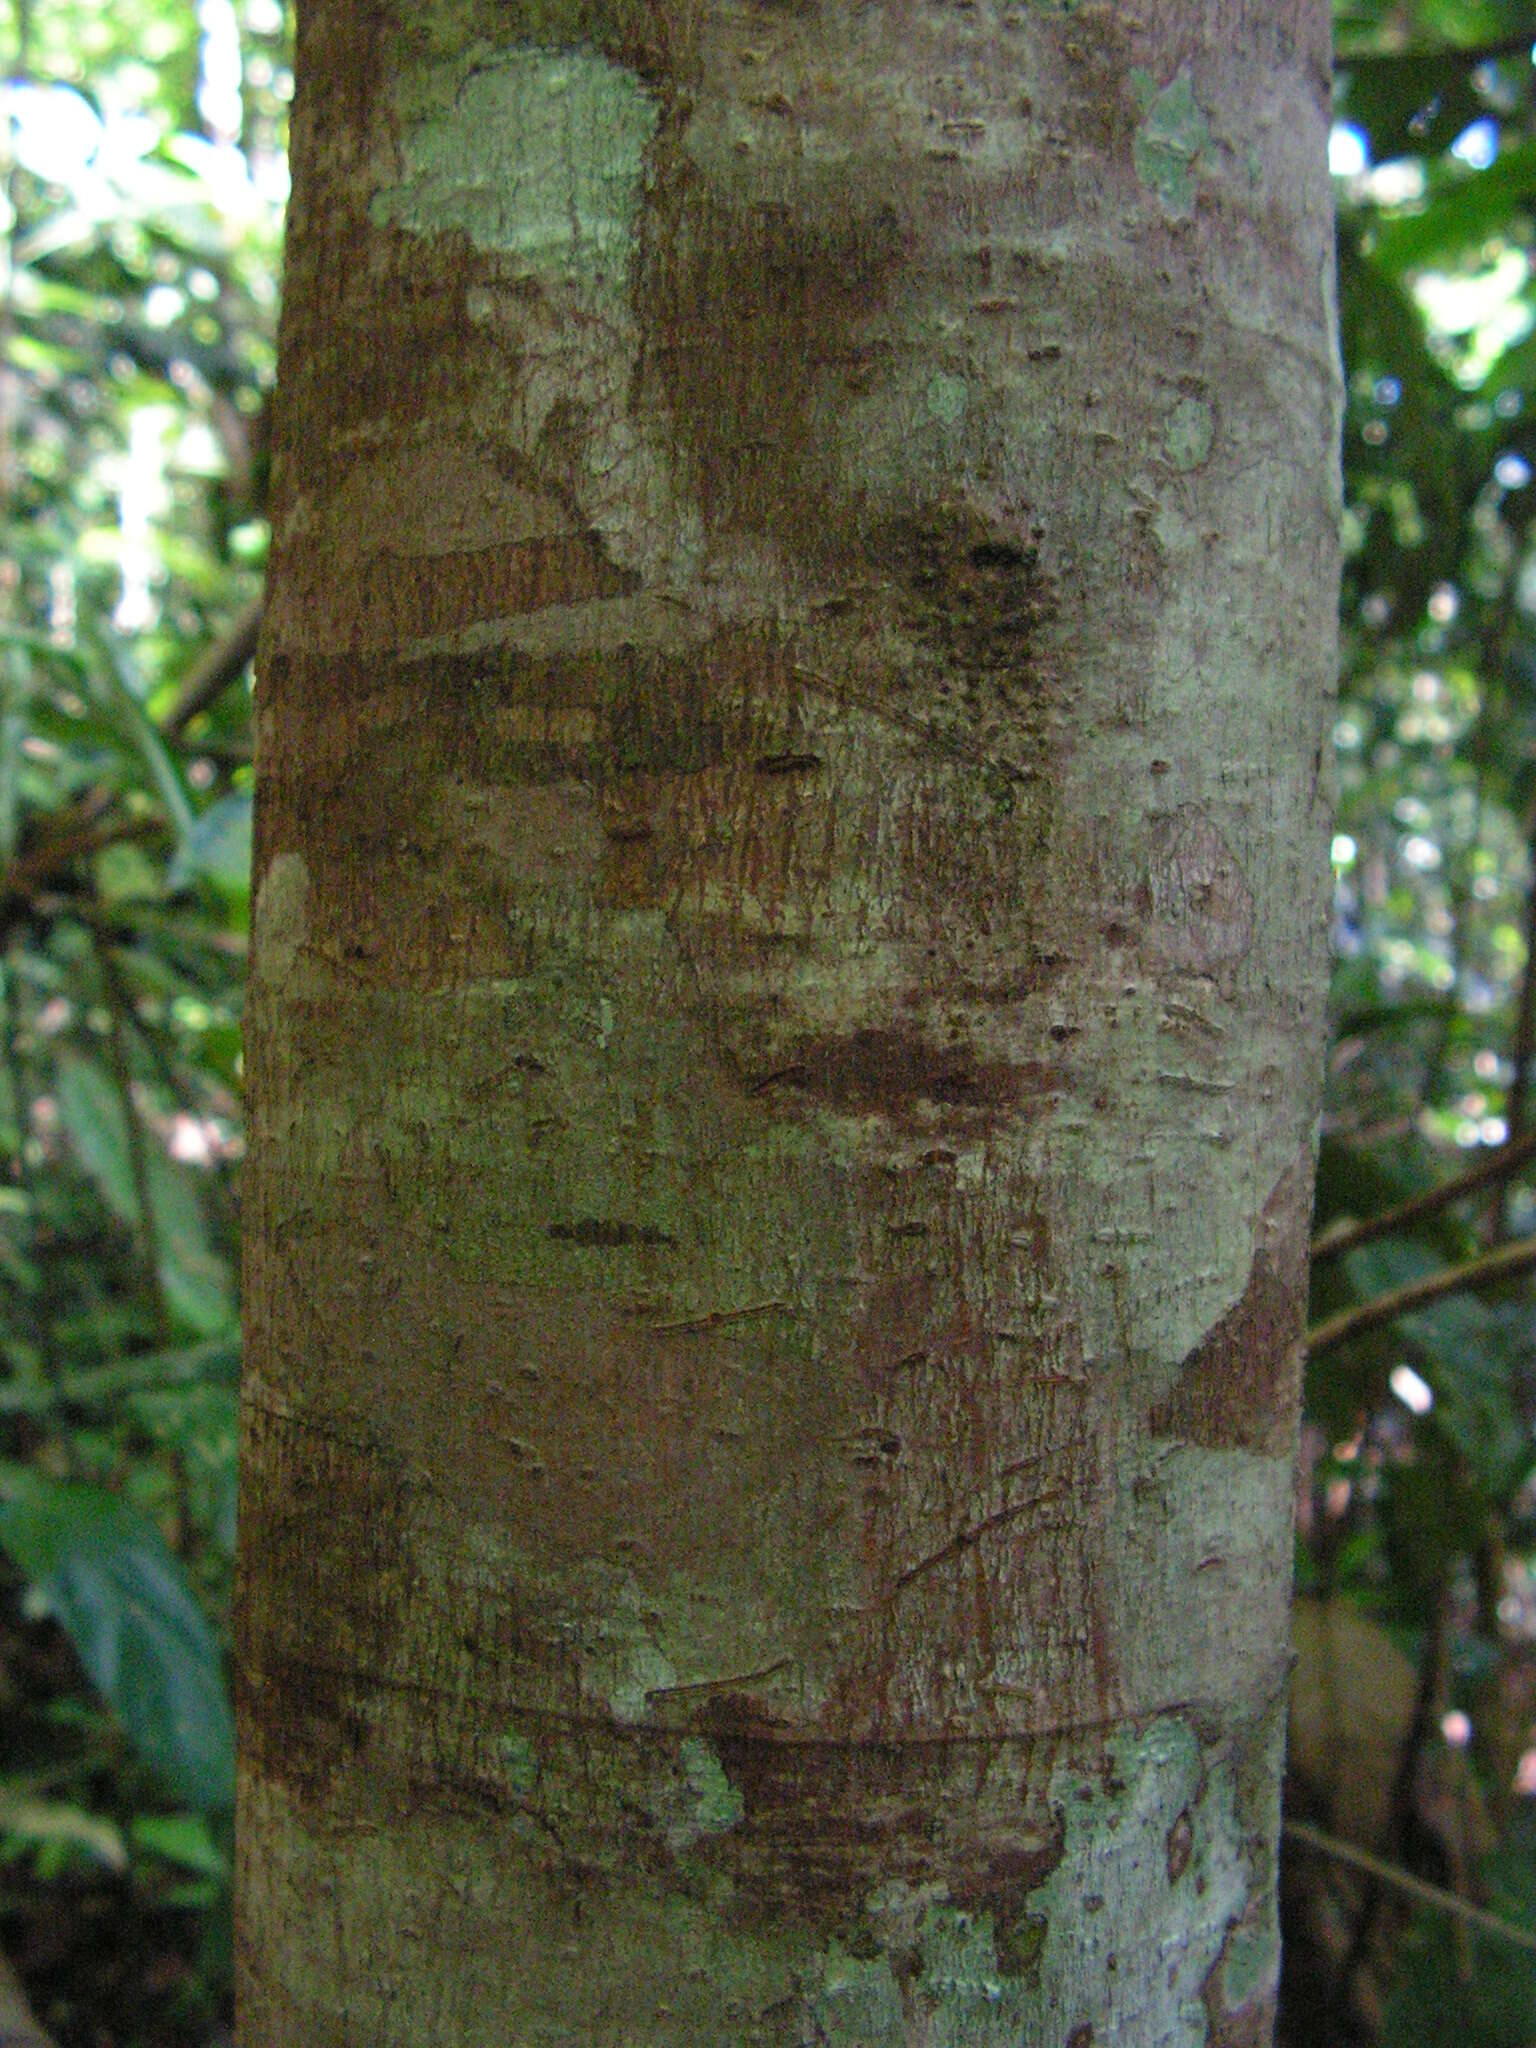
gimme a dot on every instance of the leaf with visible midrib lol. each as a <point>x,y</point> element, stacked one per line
<point>91,1104</point>
<point>124,1602</point>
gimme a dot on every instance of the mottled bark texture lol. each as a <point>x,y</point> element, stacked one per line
<point>786,1013</point>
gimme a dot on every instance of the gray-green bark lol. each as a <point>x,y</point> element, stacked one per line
<point>786,1010</point>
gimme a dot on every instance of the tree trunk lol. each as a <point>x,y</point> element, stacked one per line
<point>786,1018</point>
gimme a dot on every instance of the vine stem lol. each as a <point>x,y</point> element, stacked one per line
<point>1501,1264</point>
<point>1434,1895</point>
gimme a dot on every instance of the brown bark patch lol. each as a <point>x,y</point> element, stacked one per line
<point>892,1072</point>
<point>396,596</point>
<point>760,319</point>
<point>824,1825</point>
<point>1200,908</point>
<point>970,591</point>
<point>1180,1846</point>
<point>1238,1389</point>
<point>324,1578</point>
<point>970,604</point>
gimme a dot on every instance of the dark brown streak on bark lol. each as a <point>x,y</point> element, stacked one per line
<point>703,1686</point>
<point>890,1072</point>
<point>738,1717</point>
<point>967,1539</point>
<point>597,1233</point>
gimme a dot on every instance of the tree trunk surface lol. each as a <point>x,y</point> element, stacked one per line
<point>786,1022</point>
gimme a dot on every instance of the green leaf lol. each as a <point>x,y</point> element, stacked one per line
<point>113,675</point>
<point>214,1362</point>
<point>181,1838</point>
<point>1460,217</point>
<point>124,1602</point>
<point>125,874</point>
<point>30,1822</point>
<point>197,1282</point>
<point>218,846</point>
<point>91,1105</point>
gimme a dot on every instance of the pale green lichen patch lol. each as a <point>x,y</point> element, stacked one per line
<point>960,1960</point>
<point>941,1971</point>
<point>1122,1938</point>
<point>938,1962</point>
<point>857,2003</point>
<point>1112,1894</point>
<point>946,398</point>
<point>535,154</point>
<point>1251,1968</point>
<point>625,1665</point>
<point>519,1762</point>
<point>1189,433</point>
<point>280,919</point>
<point>1172,140</point>
<point>716,1804</point>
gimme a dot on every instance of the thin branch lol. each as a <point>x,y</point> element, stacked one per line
<point>127,1007</point>
<point>1404,1881</point>
<point>733,1681</point>
<point>138,1155</point>
<point>1525,1017</point>
<point>220,666</point>
<point>1441,53</point>
<point>44,862</point>
<point>1492,1267</point>
<point>1498,1165</point>
<point>47,1348</point>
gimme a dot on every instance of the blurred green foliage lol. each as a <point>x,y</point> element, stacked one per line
<point>142,178</point>
<point>1418,1495</point>
<point>141,183</point>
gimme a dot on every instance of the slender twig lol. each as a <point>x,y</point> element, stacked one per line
<point>1495,1166</point>
<point>220,666</point>
<point>1441,53</point>
<point>47,1350</point>
<point>968,1538</point>
<point>1442,1901</point>
<point>1492,1267</point>
<point>43,862</point>
<point>1525,1017</point>
<point>735,1681</point>
<point>1428,1694</point>
<point>173,1083</point>
<point>1494,1228</point>
<point>712,1319</point>
<point>138,1156</point>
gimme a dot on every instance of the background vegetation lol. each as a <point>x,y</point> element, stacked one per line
<point>141,185</point>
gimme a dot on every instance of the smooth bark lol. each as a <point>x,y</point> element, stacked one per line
<point>786,1022</point>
